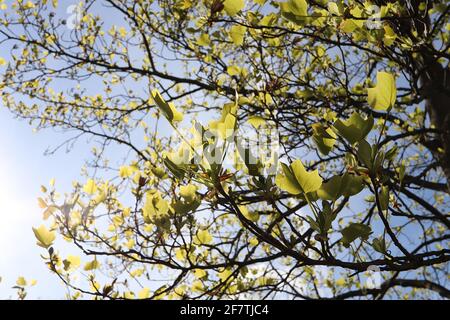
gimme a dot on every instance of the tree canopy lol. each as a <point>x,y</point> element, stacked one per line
<point>263,149</point>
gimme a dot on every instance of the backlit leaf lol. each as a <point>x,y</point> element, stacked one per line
<point>44,236</point>
<point>384,94</point>
<point>355,231</point>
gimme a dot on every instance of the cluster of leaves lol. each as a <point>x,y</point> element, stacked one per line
<point>364,172</point>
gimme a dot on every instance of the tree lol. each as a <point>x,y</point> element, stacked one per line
<point>353,94</point>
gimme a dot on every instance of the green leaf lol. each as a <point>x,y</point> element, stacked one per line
<point>330,190</point>
<point>365,153</point>
<point>183,207</point>
<point>324,138</point>
<point>44,236</point>
<point>251,162</point>
<point>384,198</point>
<point>351,185</point>
<point>168,109</point>
<point>355,128</point>
<point>379,245</point>
<point>353,232</point>
<point>384,94</point>
<point>295,179</point>
<point>308,181</point>
<point>233,6</point>
<point>324,219</point>
<point>287,180</point>
<point>346,185</point>
<point>176,170</point>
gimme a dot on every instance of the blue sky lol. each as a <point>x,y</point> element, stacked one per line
<point>23,168</point>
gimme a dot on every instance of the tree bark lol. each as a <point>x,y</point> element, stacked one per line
<point>436,87</point>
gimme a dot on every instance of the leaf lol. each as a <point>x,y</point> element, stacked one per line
<point>168,109</point>
<point>144,293</point>
<point>21,282</point>
<point>92,265</point>
<point>227,127</point>
<point>176,170</point>
<point>384,94</point>
<point>183,207</point>
<point>324,138</point>
<point>44,236</point>
<point>203,236</point>
<point>295,179</point>
<point>287,181</point>
<point>90,187</point>
<point>346,185</point>
<point>365,153</point>
<point>330,190</point>
<point>256,121</point>
<point>233,6</point>
<point>353,232</point>
<point>351,185</point>
<point>348,25</point>
<point>384,198</point>
<point>379,245</point>
<point>188,192</point>
<point>233,70</point>
<point>309,181</point>
<point>355,128</point>
<point>333,8</point>
<point>250,215</point>
<point>294,10</point>
<point>204,40</point>
<point>237,34</point>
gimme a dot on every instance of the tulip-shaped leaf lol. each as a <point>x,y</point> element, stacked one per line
<point>295,179</point>
<point>384,94</point>
<point>168,109</point>
<point>355,128</point>
<point>44,236</point>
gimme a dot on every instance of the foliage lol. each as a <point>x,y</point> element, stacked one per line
<point>359,106</point>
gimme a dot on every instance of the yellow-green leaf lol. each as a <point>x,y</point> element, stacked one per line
<point>286,180</point>
<point>90,187</point>
<point>204,40</point>
<point>256,121</point>
<point>233,70</point>
<point>295,179</point>
<point>308,181</point>
<point>355,128</point>
<point>44,236</point>
<point>144,293</point>
<point>237,34</point>
<point>21,282</point>
<point>204,237</point>
<point>92,265</point>
<point>168,109</point>
<point>233,6</point>
<point>384,94</point>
